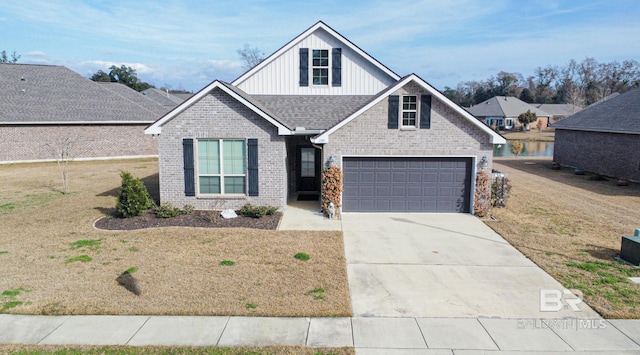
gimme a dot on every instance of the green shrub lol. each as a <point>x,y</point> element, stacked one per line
<point>166,210</point>
<point>133,197</point>
<point>257,211</point>
<point>302,256</point>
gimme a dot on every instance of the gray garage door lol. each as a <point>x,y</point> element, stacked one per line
<point>394,184</point>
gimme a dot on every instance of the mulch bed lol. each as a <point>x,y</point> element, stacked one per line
<point>199,219</point>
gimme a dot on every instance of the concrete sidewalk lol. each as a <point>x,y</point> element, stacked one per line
<point>368,335</point>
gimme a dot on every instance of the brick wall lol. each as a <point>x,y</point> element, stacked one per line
<point>610,154</point>
<point>450,134</point>
<point>41,142</point>
<point>220,116</point>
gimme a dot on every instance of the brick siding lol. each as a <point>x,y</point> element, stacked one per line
<point>218,115</point>
<point>609,154</point>
<point>42,142</point>
<point>450,134</point>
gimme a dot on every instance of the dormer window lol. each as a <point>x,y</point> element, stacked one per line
<point>320,67</point>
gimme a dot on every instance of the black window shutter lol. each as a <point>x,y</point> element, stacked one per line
<point>252,163</point>
<point>394,101</point>
<point>304,66</point>
<point>189,173</point>
<point>425,111</point>
<point>336,67</point>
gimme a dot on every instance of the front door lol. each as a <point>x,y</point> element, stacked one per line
<point>308,169</point>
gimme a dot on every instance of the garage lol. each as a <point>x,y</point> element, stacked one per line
<point>406,184</point>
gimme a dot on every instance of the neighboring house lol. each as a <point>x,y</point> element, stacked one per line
<point>603,138</point>
<point>164,98</point>
<point>46,108</point>
<point>558,111</point>
<point>502,112</point>
<point>401,144</point>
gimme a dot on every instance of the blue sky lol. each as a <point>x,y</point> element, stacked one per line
<point>187,44</point>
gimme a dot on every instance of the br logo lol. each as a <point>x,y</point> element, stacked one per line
<point>556,300</point>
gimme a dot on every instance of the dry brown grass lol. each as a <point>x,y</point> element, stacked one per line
<point>532,135</point>
<point>178,269</point>
<point>571,226</point>
<point>157,350</point>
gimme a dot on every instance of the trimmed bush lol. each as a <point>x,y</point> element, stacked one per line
<point>133,197</point>
<point>482,201</point>
<point>257,211</point>
<point>331,188</point>
<point>166,210</point>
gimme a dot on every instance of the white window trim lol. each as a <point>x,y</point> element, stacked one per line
<point>221,175</point>
<point>328,67</point>
<point>402,110</point>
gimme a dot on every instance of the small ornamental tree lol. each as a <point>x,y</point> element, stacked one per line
<point>331,188</point>
<point>526,118</point>
<point>517,147</point>
<point>133,197</point>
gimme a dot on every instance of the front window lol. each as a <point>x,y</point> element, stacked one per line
<point>221,166</point>
<point>320,67</point>
<point>409,110</point>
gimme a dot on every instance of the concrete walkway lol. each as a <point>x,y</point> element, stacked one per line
<point>367,335</point>
<point>306,215</point>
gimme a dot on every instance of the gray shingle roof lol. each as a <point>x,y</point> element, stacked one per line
<point>55,94</point>
<point>162,97</point>
<point>504,106</point>
<point>620,114</point>
<point>312,111</point>
<point>136,97</point>
<point>559,109</point>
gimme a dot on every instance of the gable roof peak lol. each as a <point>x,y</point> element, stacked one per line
<point>318,25</point>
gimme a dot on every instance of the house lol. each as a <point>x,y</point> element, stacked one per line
<point>320,99</point>
<point>502,112</point>
<point>603,138</point>
<point>45,108</point>
<point>558,111</point>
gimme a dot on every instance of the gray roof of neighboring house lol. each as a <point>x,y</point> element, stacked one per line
<point>136,97</point>
<point>162,97</point>
<point>44,94</point>
<point>312,111</point>
<point>620,114</point>
<point>559,109</point>
<point>504,106</point>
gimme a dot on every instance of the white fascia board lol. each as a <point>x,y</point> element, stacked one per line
<point>495,137</point>
<point>305,34</point>
<point>156,128</point>
<point>45,123</point>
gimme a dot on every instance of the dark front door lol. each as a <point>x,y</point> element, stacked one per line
<point>308,169</point>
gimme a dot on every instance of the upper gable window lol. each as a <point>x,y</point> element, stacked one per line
<point>320,67</point>
<point>409,110</point>
<point>316,67</point>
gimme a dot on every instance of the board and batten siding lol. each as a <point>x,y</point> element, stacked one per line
<point>281,76</point>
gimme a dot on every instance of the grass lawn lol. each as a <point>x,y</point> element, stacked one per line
<point>157,350</point>
<point>547,135</point>
<point>53,261</point>
<point>571,226</point>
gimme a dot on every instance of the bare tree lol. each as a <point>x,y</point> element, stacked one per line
<point>65,149</point>
<point>250,56</point>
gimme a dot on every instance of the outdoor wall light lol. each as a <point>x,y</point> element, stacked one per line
<point>484,162</point>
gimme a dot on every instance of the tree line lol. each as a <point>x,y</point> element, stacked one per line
<point>580,84</point>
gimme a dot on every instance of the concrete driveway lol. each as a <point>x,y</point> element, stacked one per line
<point>443,265</point>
